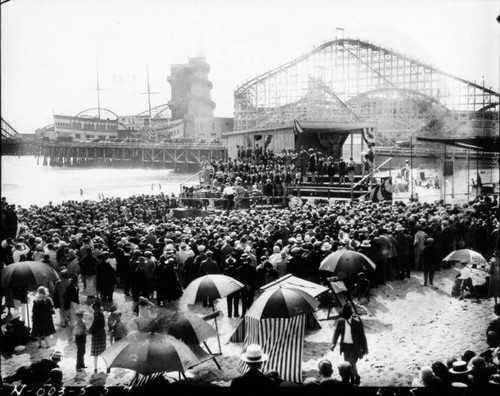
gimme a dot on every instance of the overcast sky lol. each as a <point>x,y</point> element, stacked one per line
<point>50,47</point>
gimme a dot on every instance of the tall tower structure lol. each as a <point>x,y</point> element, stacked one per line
<point>191,96</point>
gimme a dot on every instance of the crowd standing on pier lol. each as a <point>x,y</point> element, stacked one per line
<point>135,245</point>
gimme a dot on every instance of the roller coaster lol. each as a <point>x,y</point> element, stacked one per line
<point>349,80</point>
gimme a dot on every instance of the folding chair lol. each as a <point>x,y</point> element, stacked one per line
<point>213,316</point>
<point>341,295</point>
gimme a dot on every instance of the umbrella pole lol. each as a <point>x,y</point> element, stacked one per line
<point>218,338</point>
<point>216,328</point>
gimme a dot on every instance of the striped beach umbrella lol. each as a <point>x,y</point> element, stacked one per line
<point>210,287</point>
<point>282,302</point>
<point>347,261</point>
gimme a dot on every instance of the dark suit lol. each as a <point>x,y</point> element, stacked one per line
<point>359,347</point>
<point>252,380</point>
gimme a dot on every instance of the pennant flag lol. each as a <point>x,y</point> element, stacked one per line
<point>369,135</point>
<point>382,191</point>
<point>296,127</point>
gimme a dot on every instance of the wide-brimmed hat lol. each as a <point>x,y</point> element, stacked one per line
<point>460,367</point>
<point>399,227</point>
<point>366,243</point>
<point>254,354</point>
<point>56,356</point>
<point>326,246</point>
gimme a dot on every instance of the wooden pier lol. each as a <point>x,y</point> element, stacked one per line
<point>182,157</point>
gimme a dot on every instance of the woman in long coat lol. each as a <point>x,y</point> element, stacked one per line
<point>98,332</point>
<point>43,323</point>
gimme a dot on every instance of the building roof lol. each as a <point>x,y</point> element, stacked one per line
<point>478,143</point>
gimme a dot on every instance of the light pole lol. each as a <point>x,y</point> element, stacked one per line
<point>411,167</point>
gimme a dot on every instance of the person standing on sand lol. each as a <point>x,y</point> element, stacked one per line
<point>80,335</point>
<point>98,332</point>
<point>353,344</point>
<point>494,287</point>
<point>430,261</point>
<point>43,323</point>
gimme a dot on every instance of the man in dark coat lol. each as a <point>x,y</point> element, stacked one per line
<point>430,261</point>
<point>403,245</point>
<point>233,299</point>
<point>448,239</point>
<point>209,266</point>
<point>254,380</point>
<point>247,276</point>
<point>296,266</point>
<point>353,342</point>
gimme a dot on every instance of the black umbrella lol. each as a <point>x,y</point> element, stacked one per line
<point>148,353</point>
<point>191,330</point>
<point>28,273</point>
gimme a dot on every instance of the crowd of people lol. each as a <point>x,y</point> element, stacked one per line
<point>256,171</point>
<point>136,245</point>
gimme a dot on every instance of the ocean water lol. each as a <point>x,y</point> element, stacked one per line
<point>25,183</point>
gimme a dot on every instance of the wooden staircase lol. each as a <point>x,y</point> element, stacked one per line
<point>322,189</point>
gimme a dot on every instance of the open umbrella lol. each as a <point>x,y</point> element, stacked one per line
<point>475,261</point>
<point>347,261</point>
<point>468,255</point>
<point>282,303</point>
<point>210,287</point>
<point>148,353</point>
<point>28,273</point>
<point>191,330</point>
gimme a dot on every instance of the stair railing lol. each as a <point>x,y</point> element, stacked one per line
<point>371,173</point>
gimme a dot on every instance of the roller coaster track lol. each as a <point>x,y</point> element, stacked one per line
<point>349,79</point>
<point>8,132</point>
<point>364,44</point>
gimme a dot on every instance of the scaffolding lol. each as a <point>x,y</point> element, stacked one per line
<point>349,80</point>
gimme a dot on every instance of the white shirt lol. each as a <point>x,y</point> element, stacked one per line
<point>465,273</point>
<point>228,190</point>
<point>348,333</point>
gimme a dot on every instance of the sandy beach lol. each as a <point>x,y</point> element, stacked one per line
<point>407,326</point>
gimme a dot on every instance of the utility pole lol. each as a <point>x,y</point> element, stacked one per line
<point>149,93</point>
<point>411,166</point>
<point>98,96</point>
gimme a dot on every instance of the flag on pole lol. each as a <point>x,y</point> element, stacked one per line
<point>382,191</point>
<point>369,135</point>
<point>296,127</point>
